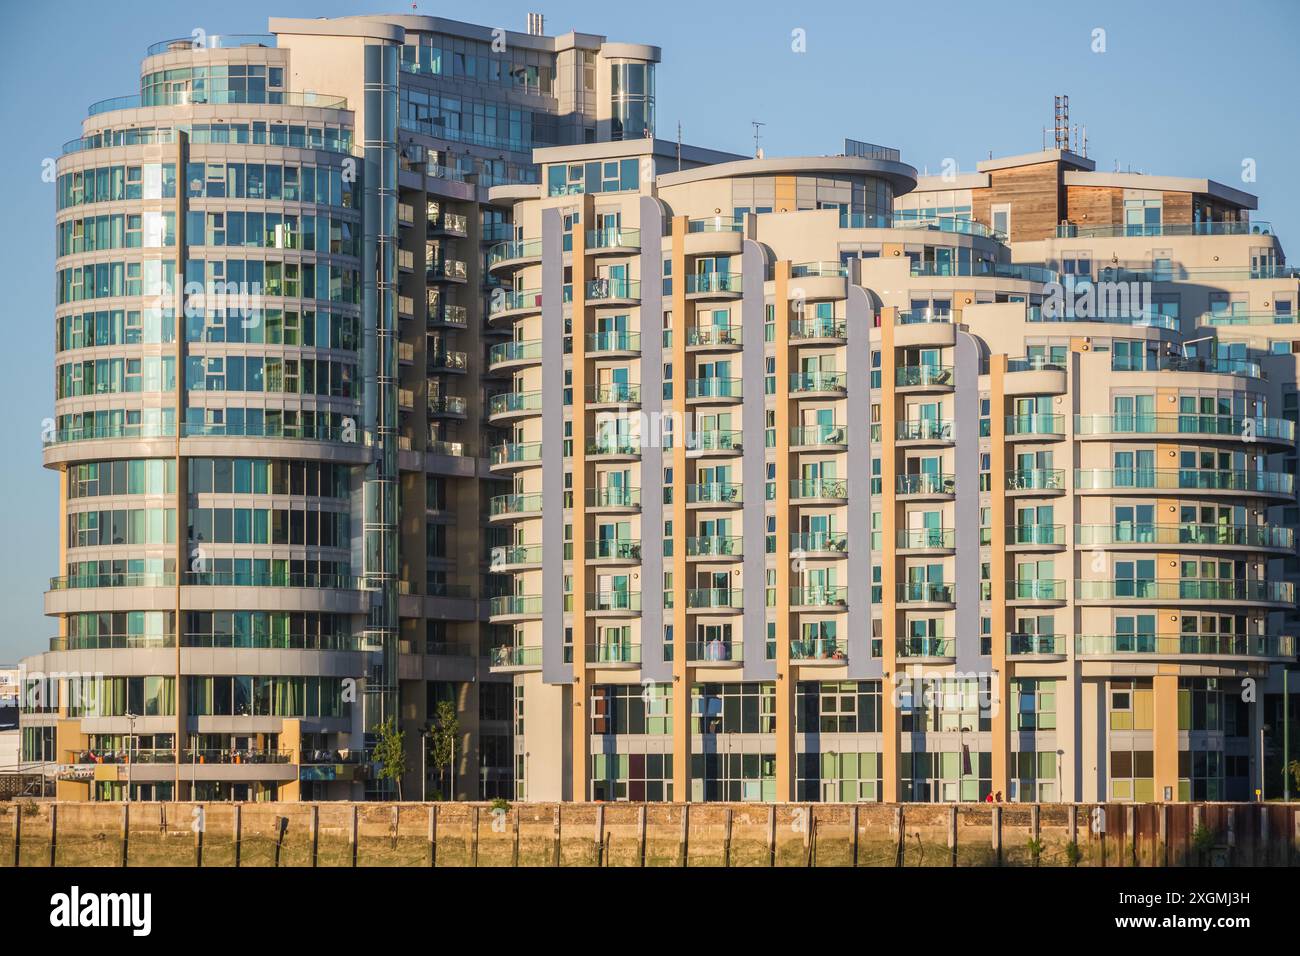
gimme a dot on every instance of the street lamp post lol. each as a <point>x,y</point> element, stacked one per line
<point>1262,729</point>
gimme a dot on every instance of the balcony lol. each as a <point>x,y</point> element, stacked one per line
<point>613,239</point>
<point>713,389</point>
<point>613,499</point>
<point>1246,429</point>
<point>614,291</point>
<point>818,436</point>
<point>932,593</point>
<point>449,316</point>
<point>614,446</point>
<point>711,599</point>
<point>441,362</point>
<point>710,338</point>
<point>819,384</point>
<point>715,224</point>
<point>920,378</point>
<point>1280,647</point>
<point>714,285</point>
<point>614,602</point>
<point>715,493</point>
<point>511,354</point>
<point>1041,646</point>
<point>1036,536</point>
<point>508,255</point>
<point>616,341</point>
<point>819,489</point>
<point>1252,537</point>
<point>819,598</point>
<point>819,543</point>
<point>505,658</point>
<point>923,431</point>
<point>812,650</point>
<point>927,485</point>
<point>508,506</point>
<point>1036,480</point>
<point>512,454</point>
<point>1190,590</point>
<point>818,329</point>
<point>516,557</point>
<point>614,551</point>
<point>516,606</point>
<point>512,303</point>
<point>449,224</point>
<point>1038,426</point>
<point>1036,591</point>
<point>938,649</point>
<point>715,441</point>
<point>716,651</point>
<point>614,393</point>
<point>447,270</point>
<point>610,653</point>
<point>447,406</point>
<point>513,404</point>
<point>714,547</point>
<point>1275,484</point>
<point>927,539</point>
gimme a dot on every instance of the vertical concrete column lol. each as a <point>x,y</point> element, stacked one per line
<point>683,673</point>
<point>859,315</point>
<point>182,479</point>
<point>583,578</point>
<point>1165,735</point>
<point>1000,573</point>
<point>889,509</point>
<point>785,623</point>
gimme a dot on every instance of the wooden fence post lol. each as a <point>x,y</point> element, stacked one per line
<point>281,828</point>
<point>18,833</point>
<point>239,827</point>
<point>600,834</point>
<point>54,832</point>
<point>854,845</point>
<point>726,838</point>
<point>353,835</point>
<point>126,828</point>
<point>555,837</point>
<point>1036,829</point>
<point>952,834</point>
<point>433,834</point>
<point>771,835</point>
<point>684,847</point>
<point>473,847</point>
<point>315,834</point>
<point>900,854</point>
<point>997,833</point>
<point>199,831</point>
<point>641,834</point>
<point>514,849</point>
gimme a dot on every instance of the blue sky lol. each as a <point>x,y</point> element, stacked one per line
<point>1186,88</point>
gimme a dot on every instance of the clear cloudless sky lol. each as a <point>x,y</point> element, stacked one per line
<point>1184,88</point>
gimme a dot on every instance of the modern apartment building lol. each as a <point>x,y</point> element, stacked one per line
<point>269,421</point>
<point>873,486</point>
<point>681,474</point>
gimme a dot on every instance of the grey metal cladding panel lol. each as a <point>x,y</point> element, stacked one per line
<point>966,415</point>
<point>859,316</point>
<point>554,669</point>
<point>653,665</point>
<point>753,522</point>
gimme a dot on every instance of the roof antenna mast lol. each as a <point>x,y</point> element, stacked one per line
<point>758,153</point>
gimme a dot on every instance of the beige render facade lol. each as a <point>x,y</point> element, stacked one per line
<point>855,506</point>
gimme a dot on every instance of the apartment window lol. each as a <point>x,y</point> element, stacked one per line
<point>1000,214</point>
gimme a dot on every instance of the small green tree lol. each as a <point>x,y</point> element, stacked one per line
<point>1294,767</point>
<point>390,754</point>
<point>443,736</point>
